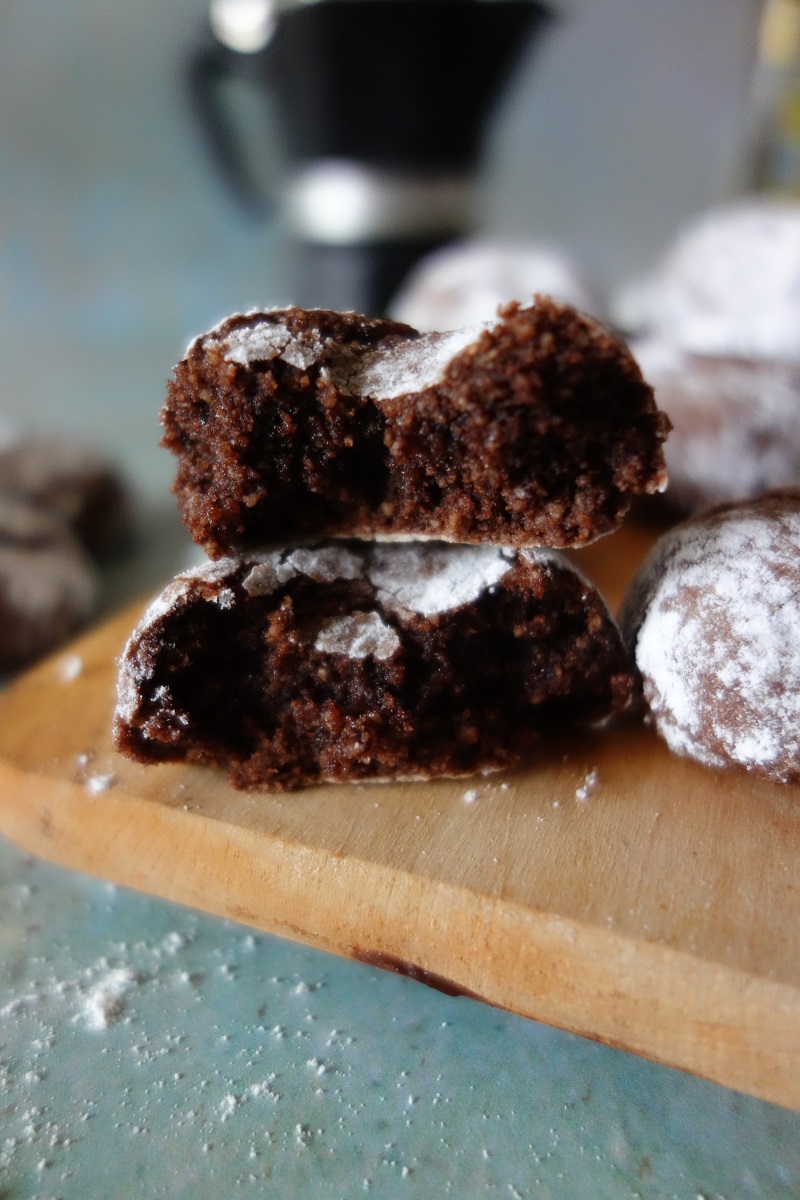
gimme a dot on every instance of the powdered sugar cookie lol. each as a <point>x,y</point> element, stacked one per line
<point>712,620</point>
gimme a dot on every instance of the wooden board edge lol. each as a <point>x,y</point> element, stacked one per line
<point>734,1029</point>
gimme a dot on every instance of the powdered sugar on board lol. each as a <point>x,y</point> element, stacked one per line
<point>714,618</point>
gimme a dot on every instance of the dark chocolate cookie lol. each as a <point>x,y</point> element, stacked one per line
<point>48,587</point>
<point>352,660</point>
<point>73,482</point>
<point>535,429</point>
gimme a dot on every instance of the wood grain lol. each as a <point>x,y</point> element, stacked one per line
<point>660,914</point>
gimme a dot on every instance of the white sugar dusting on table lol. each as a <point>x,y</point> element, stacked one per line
<point>69,668</point>
<point>104,1003</point>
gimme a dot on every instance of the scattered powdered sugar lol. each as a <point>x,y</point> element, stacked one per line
<point>431,578</point>
<point>69,668</point>
<point>96,781</point>
<point>100,782</point>
<point>718,608</point>
<point>730,285</point>
<point>358,635</point>
<point>105,1001</point>
<point>588,786</point>
<point>470,796</point>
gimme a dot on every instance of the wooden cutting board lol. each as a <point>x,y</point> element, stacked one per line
<point>654,907</point>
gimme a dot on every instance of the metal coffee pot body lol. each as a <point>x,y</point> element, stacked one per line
<point>380,112</point>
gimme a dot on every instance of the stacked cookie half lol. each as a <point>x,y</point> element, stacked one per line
<point>383,512</point>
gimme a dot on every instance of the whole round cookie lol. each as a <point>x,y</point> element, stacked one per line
<point>48,586</point>
<point>711,619</point>
<point>735,423</point>
<point>729,285</point>
<point>466,282</point>
<point>71,481</point>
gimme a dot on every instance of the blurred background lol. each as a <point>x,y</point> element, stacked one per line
<point>121,235</point>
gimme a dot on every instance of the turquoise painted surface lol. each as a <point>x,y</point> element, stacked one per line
<point>146,1050</point>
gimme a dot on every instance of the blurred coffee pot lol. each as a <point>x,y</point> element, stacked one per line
<point>380,108</point>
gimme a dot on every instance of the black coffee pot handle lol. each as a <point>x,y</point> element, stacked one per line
<point>395,85</point>
<point>209,73</point>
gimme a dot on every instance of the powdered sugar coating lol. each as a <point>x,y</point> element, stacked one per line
<point>736,423</point>
<point>265,341</point>
<point>713,619</point>
<point>39,586</point>
<point>358,635</point>
<point>430,579</point>
<point>465,283</point>
<point>404,367</point>
<point>400,367</point>
<point>48,586</point>
<point>730,285</point>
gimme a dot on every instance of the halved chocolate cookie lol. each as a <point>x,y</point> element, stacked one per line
<point>353,660</point>
<point>535,429</point>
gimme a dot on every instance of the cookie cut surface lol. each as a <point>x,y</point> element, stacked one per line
<point>712,620</point>
<point>351,660</point>
<point>535,429</point>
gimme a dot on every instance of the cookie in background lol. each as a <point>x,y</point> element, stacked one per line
<point>716,331</point>
<point>466,282</point>
<point>65,513</point>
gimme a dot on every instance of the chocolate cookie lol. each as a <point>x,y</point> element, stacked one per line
<point>351,660</point>
<point>74,483</point>
<point>712,619</point>
<point>48,587</point>
<point>536,429</point>
<point>735,424</point>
